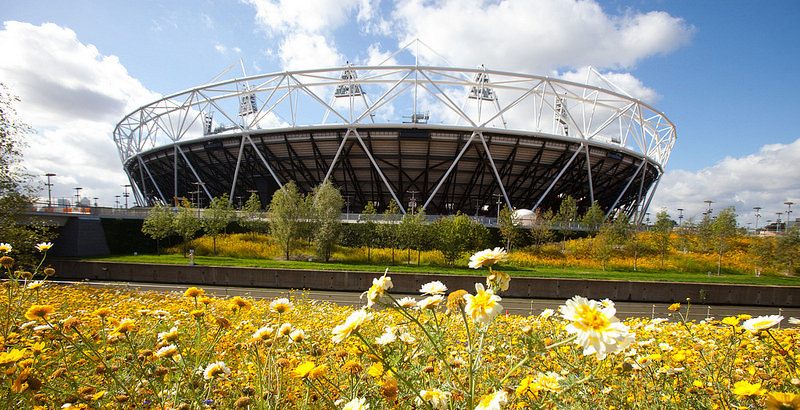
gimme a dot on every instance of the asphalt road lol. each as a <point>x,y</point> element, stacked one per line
<point>517,306</point>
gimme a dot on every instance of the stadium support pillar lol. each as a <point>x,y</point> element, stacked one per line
<point>236,171</point>
<point>633,177</point>
<point>557,178</point>
<point>378,170</point>
<point>150,175</point>
<point>449,170</point>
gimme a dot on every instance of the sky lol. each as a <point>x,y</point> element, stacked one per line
<point>725,73</point>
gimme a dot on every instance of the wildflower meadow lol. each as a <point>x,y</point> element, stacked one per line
<point>77,346</point>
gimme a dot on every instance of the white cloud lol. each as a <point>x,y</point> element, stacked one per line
<point>538,36</point>
<point>303,51</point>
<point>73,96</point>
<point>223,49</point>
<point>305,28</point>
<point>624,81</point>
<point>767,179</point>
<point>310,16</point>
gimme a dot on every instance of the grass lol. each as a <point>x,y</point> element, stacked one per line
<point>539,272</point>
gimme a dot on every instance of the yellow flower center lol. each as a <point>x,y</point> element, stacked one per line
<point>592,319</point>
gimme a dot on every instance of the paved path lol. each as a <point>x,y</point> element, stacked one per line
<point>513,305</point>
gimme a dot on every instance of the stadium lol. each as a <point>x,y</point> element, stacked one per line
<point>441,139</point>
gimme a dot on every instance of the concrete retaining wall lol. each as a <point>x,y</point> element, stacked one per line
<point>620,291</point>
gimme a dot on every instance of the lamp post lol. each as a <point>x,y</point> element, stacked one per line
<point>412,203</point>
<point>708,203</point>
<point>758,215</point>
<point>347,206</point>
<point>498,202</point>
<point>78,196</point>
<point>116,201</point>
<point>49,189</point>
<point>95,201</point>
<point>778,222</point>
<point>126,194</point>
<point>788,213</point>
<point>680,216</point>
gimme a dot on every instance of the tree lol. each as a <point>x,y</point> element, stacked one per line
<point>704,232</point>
<point>594,217</point>
<point>16,190</point>
<point>662,230</point>
<point>762,252</point>
<point>326,209</point>
<point>457,234</point>
<point>186,224</point>
<point>217,217</point>
<point>568,211</point>
<point>285,212</point>
<point>159,224</point>
<point>509,226</point>
<point>253,216</point>
<point>388,230</point>
<point>723,230</point>
<point>540,232</point>
<point>788,250</point>
<point>413,233</point>
<point>368,228</point>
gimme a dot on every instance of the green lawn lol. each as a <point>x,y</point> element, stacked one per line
<point>541,272</point>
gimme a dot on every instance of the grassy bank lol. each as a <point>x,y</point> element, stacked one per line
<point>543,272</point>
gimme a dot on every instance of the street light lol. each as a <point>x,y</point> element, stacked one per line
<point>680,216</point>
<point>708,202</point>
<point>498,202</point>
<point>116,201</point>
<point>412,203</point>
<point>125,194</point>
<point>778,222</point>
<point>95,201</point>
<point>788,213</point>
<point>78,196</point>
<point>49,189</point>
<point>758,215</point>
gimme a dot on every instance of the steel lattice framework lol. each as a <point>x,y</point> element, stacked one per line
<point>469,139</point>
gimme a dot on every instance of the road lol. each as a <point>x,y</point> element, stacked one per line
<point>512,305</point>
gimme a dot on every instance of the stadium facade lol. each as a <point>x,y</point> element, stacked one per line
<point>441,139</point>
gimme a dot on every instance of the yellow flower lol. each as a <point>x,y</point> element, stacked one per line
<point>674,307</point>
<point>11,357</point>
<point>353,322</point>
<point>783,401</point>
<point>356,404</point>
<point>318,371</point>
<point>493,401</point>
<point>264,333</point>
<point>487,257</point>
<point>216,369</point>
<point>376,370</point>
<point>498,281</point>
<point>5,248</point>
<point>433,288</point>
<point>303,370</point>
<point>760,323</point>
<point>731,320</point>
<point>44,246</point>
<point>166,351</point>
<point>744,388</point>
<point>39,312</point>
<point>170,336</point>
<point>194,292</point>
<point>238,303</point>
<point>482,307</point>
<point>596,327</point>
<point>378,288</point>
<point>281,306</point>
<point>102,312</point>
<point>124,326</point>
<point>430,302</point>
<point>35,285</point>
<point>435,398</point>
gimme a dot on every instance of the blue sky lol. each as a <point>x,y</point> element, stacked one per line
<point>723,72</point>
